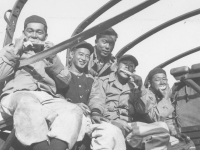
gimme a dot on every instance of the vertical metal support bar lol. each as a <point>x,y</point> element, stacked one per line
<point>9,140</point>
<point>192,84</point>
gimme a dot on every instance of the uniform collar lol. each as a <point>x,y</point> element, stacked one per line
<point>76,73</point>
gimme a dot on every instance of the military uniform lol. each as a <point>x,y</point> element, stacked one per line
<point>29,96</point>
<point>120,103</point>
<point>96,67</point>
<point>79,88</point>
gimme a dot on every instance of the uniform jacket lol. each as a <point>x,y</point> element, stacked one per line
<point>107,68</point>
<point>82,88</point>
<point>41,75</point>
<point>156,109</point>
<point>118,101</point>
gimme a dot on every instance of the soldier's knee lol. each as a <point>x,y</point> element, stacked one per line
<point>112,129</point>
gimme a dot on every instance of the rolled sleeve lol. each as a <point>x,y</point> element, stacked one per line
<point>97,98</point>
<point>56,66</point>
<point>8,55</point>
<point>8,61</point>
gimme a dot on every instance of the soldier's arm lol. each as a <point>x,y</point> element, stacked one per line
<point>155,111</point>
<point>8,62</point>
<point>97,97</point>
<point>61,74</point>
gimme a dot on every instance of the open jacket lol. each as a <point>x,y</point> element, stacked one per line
<point>40,76</point>
<point>82,88</point>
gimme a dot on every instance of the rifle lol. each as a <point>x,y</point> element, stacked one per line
<point>155,30</point>
<point>86,34</point>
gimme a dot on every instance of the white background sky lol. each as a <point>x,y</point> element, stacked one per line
<point>63,16</point>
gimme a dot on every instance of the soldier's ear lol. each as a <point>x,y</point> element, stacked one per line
<point>71,54</point>
<point>46,37</point>
<point>148,84</point>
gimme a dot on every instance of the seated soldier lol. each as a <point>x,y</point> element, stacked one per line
<point>29,95</point>
<point>119,90</point>
<point>158,107</point>
<point>84,88</point>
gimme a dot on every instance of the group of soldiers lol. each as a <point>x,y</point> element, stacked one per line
<point>55,106</point>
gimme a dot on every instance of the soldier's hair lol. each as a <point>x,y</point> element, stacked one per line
<point>109,31</point>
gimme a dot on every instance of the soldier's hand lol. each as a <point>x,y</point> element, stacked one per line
<point>85,108</point>
<point>47,45</point>
<point>123,125</point>
<point>98,118</point>
<point>19,42</point>
<point>137,79</point>
<point>182,137</point>
<point>167,93</point>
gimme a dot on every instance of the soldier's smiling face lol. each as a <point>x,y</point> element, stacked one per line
<point>35,32</point>
<point>80,57</point>
<point>159,81</point>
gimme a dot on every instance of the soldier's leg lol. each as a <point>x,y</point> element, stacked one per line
<point>67,124</point>
<point>106,136</point>
<point>29,123</point>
